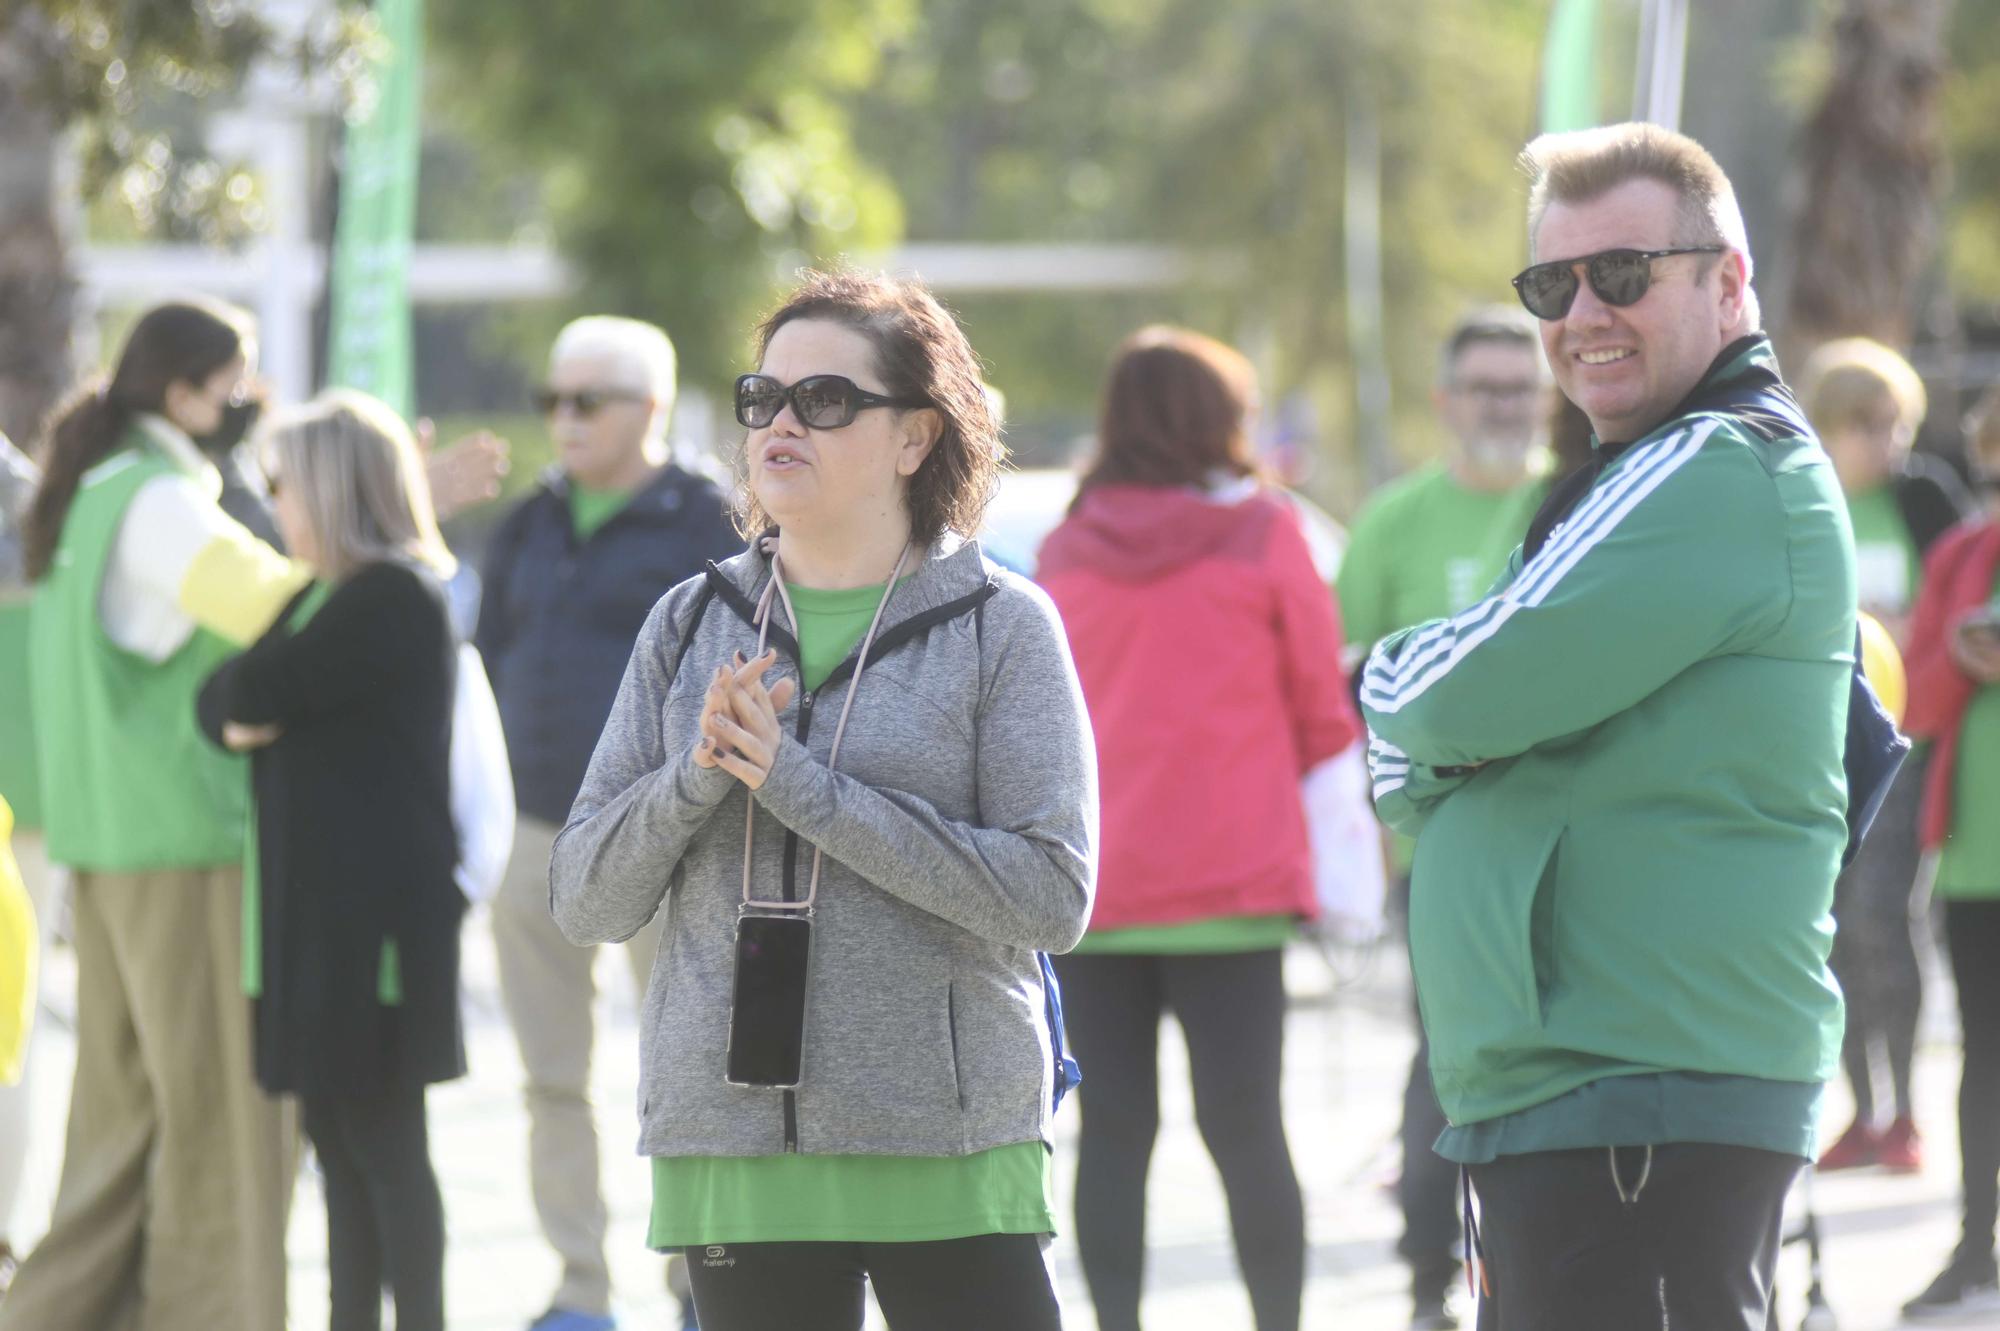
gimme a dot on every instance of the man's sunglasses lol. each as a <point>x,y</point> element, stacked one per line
<point>820,401</point>
<point>1619,277</point>
<point>585,401</point>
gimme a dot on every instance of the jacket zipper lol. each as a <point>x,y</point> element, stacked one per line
<point>908,630</point>
<point>791,894</point>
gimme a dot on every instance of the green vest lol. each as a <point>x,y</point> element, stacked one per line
<point>129,782</point>
<point>20,782</point>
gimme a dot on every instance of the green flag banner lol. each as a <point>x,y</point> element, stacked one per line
<point>369,334</point>
<point>1569,68</point>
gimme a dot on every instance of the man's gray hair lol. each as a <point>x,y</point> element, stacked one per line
<point>642,351</point>
<point>1581,165</point>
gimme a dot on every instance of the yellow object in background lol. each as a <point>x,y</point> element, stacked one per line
<point>20,953</point>
<point>1883,665</point>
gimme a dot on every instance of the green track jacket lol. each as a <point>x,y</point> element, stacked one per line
<point>1638,875</point>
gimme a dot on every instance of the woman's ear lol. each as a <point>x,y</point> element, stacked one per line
<point>179,396</point>
<point>921,429</point>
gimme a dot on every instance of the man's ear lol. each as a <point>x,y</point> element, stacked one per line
<point>1734,275</point>
<point>921,429</point>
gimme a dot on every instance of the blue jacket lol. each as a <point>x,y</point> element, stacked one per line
<point>559,616</point>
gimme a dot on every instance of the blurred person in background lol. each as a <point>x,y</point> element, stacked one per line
<point>920,795</point>
<point>20,786</point>
<point>1426,546</point>
<point>570,576</point>
<point>1866,404</point>
<point>1209,651</point>
<point>345,704</point>
<point>1954,681</point>
<point>177,1169</point>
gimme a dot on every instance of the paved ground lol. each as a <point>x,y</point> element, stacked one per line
<point>1347,1051</point>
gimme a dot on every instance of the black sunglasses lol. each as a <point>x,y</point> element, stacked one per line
<point>1619,277</point>
<point>585,401</point>
<point>820,401</point>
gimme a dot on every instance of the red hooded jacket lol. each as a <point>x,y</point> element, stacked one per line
<point>1209,651</point>
<point>1958,578</point>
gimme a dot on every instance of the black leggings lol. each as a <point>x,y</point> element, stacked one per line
<point>382,1208</point>
<point>993,1282</point>
<point>1232,1008</point>
<point>1972,936</point>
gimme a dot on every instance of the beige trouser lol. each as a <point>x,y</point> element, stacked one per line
<point>170,1215</point>
<point>547,985</point>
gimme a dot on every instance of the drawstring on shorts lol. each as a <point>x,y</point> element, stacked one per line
<point>1645,1172</point>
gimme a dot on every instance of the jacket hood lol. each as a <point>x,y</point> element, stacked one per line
<point>1136,533</point>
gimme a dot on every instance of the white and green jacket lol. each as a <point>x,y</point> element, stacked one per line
<point>1624,773</point>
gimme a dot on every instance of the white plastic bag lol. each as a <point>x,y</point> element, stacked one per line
<point>1349,876</point>
<point>482,782</point>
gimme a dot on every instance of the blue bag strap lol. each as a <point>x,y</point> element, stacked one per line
<point>1875,751</point>
<point>1068,1075</point>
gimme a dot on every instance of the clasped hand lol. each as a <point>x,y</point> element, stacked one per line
<point>739,720</point>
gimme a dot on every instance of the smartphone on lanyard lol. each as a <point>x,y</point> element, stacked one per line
<point>767,1011</point>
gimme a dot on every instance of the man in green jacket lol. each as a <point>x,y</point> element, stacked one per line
<point>1624,773</point>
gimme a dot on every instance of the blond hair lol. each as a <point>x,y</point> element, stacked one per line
<point>1581,165</point>
<point>1843,378</point>
<point>354,465</point>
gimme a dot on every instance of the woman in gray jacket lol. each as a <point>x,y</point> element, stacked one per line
<point>853,766</point>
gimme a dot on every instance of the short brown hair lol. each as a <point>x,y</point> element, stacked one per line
<point>1843,378</point>
<point>921,353</point>
<point>1581,165</point>
<point>1176,410</point>
<point>1494,325</point>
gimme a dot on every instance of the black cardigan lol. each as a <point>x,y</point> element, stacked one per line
<point>355,837</point>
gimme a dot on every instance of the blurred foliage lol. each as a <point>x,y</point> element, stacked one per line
<point>1972,114</point>
<point>131,76</point>
<point>691,156</point>
<point>1223,129</point>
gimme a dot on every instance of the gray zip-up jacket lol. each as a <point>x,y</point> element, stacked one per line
<point>960,837</point>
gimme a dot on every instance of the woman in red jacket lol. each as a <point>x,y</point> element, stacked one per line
<point>1209,651</point>
<point>1954,669</point>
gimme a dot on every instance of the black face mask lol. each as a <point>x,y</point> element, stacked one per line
<point>237,418</point>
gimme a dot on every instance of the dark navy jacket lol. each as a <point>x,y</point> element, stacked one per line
<point>559,616</point>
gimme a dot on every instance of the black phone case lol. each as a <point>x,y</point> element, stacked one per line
<point>767,1011</point>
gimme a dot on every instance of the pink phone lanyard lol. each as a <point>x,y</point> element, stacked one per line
<point>763,621</point>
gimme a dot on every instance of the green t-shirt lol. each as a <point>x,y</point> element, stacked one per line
<point>1422,548</point>
<point>847,1198</point>
<point>590,509</point>
<point>1886,565</point>
<point>831,625</point>
<point>1969,863</point>
<point>20,774</point>
<point>850,1198</point>
<point>1650,1109</point>
<point>1233,933</point>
